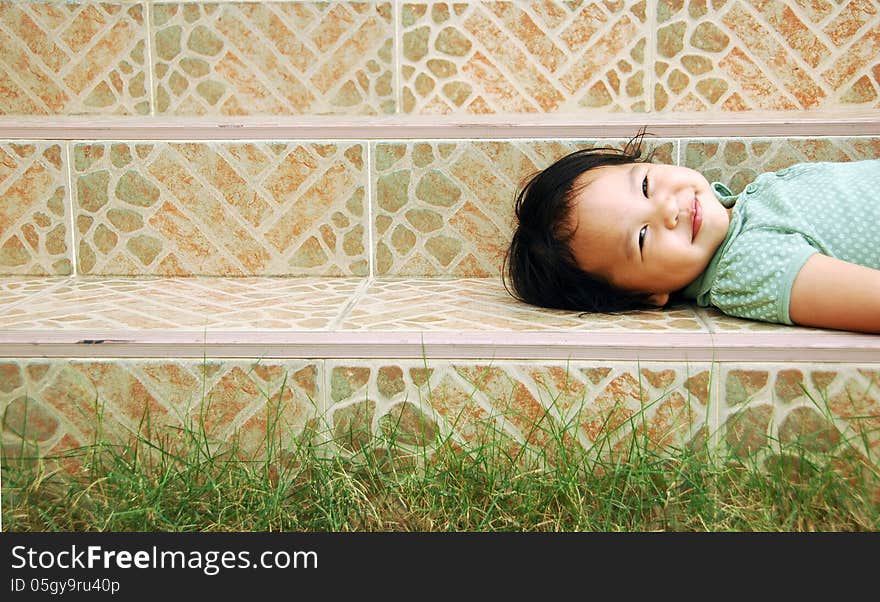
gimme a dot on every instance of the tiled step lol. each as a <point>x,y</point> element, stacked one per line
<point>371,207</point>
<point>166,58</point>
<point>287,318</point>
<point>431,356</point>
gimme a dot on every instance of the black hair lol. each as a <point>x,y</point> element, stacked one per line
<point>539,266</point>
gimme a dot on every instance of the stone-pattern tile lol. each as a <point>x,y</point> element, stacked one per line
<point>446,208</point>
<point>274,58</point>
<point>817,406</point>
<point>220,209</point>
<point>33,212</point>
<point>186,303</point>
<point>66,58</point>
<point>482,304</point>
<point>548,56</point>
<point>540,407</point>
<point>54,406</point>
<point>761,54</point>
<point>736,162</point>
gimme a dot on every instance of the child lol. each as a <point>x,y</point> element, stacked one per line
<point>606,230</point>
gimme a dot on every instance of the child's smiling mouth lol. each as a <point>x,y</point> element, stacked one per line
<point>696,219</point>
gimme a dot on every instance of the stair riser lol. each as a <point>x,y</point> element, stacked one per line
<point>56,404</point>
<point>384,58</point>
<point>434,208</point>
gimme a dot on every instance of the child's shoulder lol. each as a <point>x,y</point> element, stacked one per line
<point>820,172</point>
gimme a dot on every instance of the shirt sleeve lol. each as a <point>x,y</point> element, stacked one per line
<point>756,274</point>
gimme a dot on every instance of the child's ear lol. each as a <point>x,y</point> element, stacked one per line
<point>658,299</point>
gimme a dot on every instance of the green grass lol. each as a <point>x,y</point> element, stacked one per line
<point>183,481</point>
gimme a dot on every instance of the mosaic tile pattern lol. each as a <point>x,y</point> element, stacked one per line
<point>719,322</point>
<point>537,406</point>
<point>737,162</point>
<point>486,57</point>
<point>53,405</point>
<point>65,58</point>
<point>185,303</point>
<point>759,54</point>
<point>33,213</point>
<point>220,209</point>
<point>274,58</point>
<point>49,407</point>
<point>482,304</point>
<point>817,405</point>
<point>15,290</point>
<point>523,57</point>
<point>446,208</point>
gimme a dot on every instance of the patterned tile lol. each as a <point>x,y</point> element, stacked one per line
<point>274,58</point>
<point>66,58</point>
<point>736,162</point>
<point>816,405</point>
<point>186,303</point>
<point>59,405</point>
<point>220,209</point>
<point>760,54</point>
<point>719,322</point>
<point>446,208</point>
<point>482,304</point>
<point>15,290</point>
<point>33,212</point>
<point>538,406</point>
<point>537,56</point>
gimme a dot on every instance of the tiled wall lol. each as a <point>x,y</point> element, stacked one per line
<point>368,207</point>
<point>305,208</point>
<point>379,58</point>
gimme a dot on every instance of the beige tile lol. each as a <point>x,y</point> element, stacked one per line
<point>185,304</point>
<point>759,54</point>
<point>736,162</point>
<point>446,208</point>
<point>54,405</point>
<point>15,290</point>
<point>819,406</point>
<point>482,304</point>
<point>66,58</point>
<point>523,57</point>
<point>34,213</point>
<point>721,323</point>
<point>538,406</point>
<point>274,58</point>
<point>221,209</point>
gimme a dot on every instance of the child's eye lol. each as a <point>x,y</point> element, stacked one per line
<point>642,234</point>
<point>645,187</point>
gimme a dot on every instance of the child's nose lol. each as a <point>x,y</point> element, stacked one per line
<point>669,211</point>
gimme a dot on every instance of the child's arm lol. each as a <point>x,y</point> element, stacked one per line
<point>831,293</point>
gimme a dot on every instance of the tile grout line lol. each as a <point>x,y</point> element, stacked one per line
<point>715,435</point>
<point>359,293</point>
<point>396,48</point>
<point>71,220</point>
<point>151,67</point>
<point>371,239</point>
<point>651,54</point>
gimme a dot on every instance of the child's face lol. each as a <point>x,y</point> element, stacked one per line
<point>646,228</point>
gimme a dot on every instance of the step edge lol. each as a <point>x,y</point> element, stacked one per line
<point>689,125</point>
<point>830,346</point>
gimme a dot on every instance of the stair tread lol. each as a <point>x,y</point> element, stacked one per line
<point>372,317</point>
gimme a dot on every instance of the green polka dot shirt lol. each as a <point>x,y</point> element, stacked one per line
<point>778,222</point>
